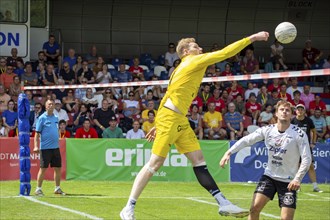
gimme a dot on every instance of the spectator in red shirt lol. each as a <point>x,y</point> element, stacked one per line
<point>227,71</point>
<point>274,85</point>
<point>62,130</point>
<point>136,70</point>
<point>234,90</point>
<point>283,94</point>
<point>253,108</point>
<point>220,105</point>
<point>296,99</point>
<point>249,64</point>
<point>310,55</point>
<point>318,104</point>
<point>86,131</point>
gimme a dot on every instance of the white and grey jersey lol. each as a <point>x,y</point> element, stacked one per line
<point>284,151</point>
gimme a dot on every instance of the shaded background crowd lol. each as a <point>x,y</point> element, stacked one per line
<point>222,110</point>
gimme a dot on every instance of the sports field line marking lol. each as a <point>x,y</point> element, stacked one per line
<point>213,203</point>
<point>62,208</point>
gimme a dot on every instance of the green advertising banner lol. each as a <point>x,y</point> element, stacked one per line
<point>122,159</point>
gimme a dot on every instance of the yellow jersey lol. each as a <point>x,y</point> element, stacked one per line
<point>187,77</point>
<point>212,119</point>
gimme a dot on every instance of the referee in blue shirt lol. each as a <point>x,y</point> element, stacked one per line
<point>47,133</point>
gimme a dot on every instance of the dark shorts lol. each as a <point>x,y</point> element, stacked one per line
<point>50,156</point>
<point>269,187</point>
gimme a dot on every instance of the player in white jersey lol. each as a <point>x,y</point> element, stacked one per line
<point>286,143</point>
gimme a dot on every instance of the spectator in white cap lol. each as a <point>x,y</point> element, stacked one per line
<point>59,112</point>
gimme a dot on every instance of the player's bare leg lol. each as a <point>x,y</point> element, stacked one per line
<point>287,213</point>
<point>312,177</point>
<point>258,203</point>
<point>40,179</point>
<point>139,184</point>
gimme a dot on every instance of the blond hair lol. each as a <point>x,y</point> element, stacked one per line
<point>284,103</point>
<point>183,44</point>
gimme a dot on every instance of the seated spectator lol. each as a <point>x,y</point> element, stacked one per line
<point>265,116</point>
<point>19,70</point>
<point>91,57</point>
<point>104,75</point>
<point>67,74</point>
<point>81,92</point>
<point>253,108</point>
<point>135,132</point>
<point>311,56</point>
<point>296,99</point>
<point>34,115</point>
<point>196,119</point>
<point>89,100</point>
<point>29,78</point>
<point>113,131</point>
<point>234,89</point>
<point>250,89</point>
<point>326,64</point>
<point>79,117</point>
<point>150,123</point>
<point>122,75</point>
<point>199,102</point>
<point>306,96</point>
<point>3,130</point>
<point>283,95</point>
<point>276,55</point>
<point>15,88</point>
<point>175,65</point>
<point>49,78</point>
<point>41,71</point>
<point>150,106</point>
<point>274,85</point>
<point>10,119</point>
<point>156,89</point>
<point>59,112</point>
<point>113,103</point>
<point>31,100</point>
<point>220,105</point>
<point>71,59</point>
<point>249,64</point>
<point>131,107</point>
<point>225,97</point>
<point>3,65</point>
<point>318,104</point>
<point>61,92</point>
<point>136,70</point>
<point>7,77</point>
<point>227,71</point>
<point>52,51</point>
<point>234,122</point>
<point>102,117</point>
<point>320,124</point>
<point>12,60</point>
<point>98,67</point>
<point>62,130</point>
<point>86,73</point>
<point>205,95</point>
<point>70,102</point>
<point>170,56</point>
<point>86,131</point>
<point>294,87</point>
<point>213,123</point>
<point>78,65</point>
<point>239,104</point>
<point>263,96</point>
<point>41,60</point>
<point>211,71</point>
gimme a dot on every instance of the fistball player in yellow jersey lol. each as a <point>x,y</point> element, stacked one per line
<point>172,126</point>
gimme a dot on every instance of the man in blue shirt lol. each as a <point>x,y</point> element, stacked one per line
<point>52,50</point>
<point>234,123</point>
<point>47,132</point>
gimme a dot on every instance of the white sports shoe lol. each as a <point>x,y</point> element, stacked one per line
<point>127,214</point>
<point>233,210</point>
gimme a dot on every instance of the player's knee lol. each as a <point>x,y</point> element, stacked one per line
<point>255,210</point>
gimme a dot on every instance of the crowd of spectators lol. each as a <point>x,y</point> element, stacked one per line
<point>221,110</point>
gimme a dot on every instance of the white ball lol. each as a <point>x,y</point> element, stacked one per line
<point>285,32</point>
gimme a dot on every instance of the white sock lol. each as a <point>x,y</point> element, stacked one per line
<point>221,199</point>
<point>57,188</point>
<point>315,185</point>
<point>131,203</point>
<point>38,188</point>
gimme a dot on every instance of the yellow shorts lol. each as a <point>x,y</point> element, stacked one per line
<point>173,128</point>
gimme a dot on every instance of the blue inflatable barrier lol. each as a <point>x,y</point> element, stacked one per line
<point>24,144</point>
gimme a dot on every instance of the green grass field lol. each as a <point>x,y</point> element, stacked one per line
<point>160,200</point>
